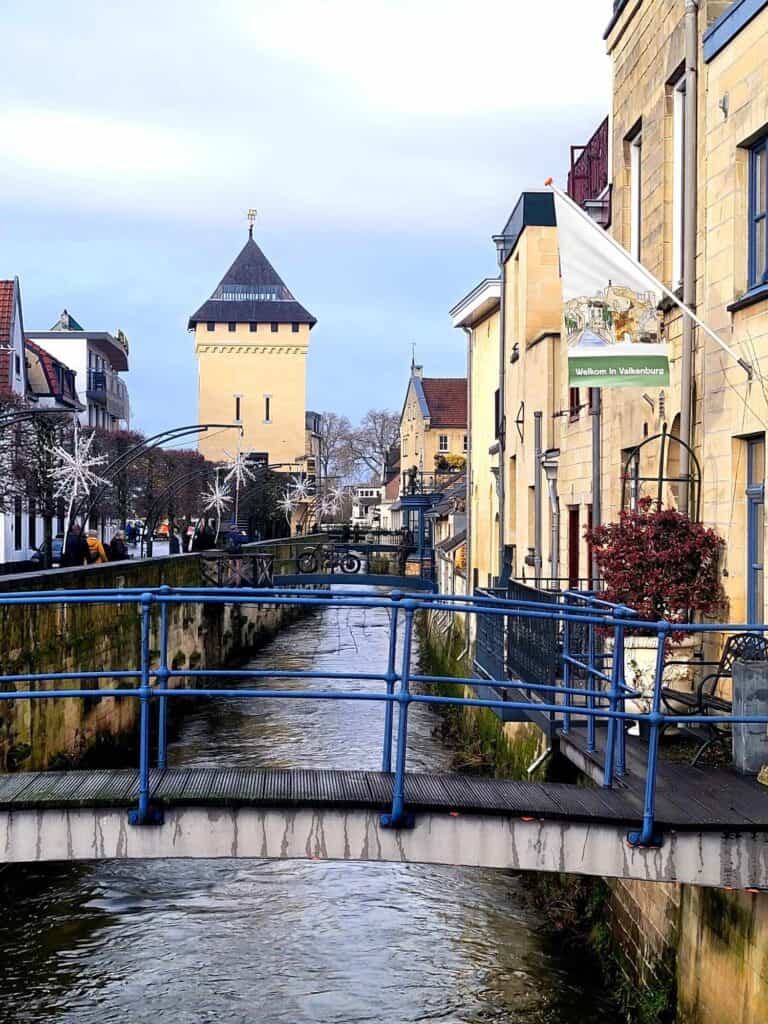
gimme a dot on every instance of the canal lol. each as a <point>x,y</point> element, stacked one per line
<point>288,942</point>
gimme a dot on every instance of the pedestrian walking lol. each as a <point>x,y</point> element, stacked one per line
<point>174,544</point>
<point>96,552</point>
<point>118,548</point>
<point>75,549</point>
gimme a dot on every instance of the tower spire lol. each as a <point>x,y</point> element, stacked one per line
<point>251,219</point>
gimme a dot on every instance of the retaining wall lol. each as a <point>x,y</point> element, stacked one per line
<point>39,734</point>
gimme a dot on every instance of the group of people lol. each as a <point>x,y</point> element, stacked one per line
<point>87,549</point>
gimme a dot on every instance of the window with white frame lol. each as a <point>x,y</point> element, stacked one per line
<point>635,193</point>
<point>678,179</point>
<point>442,443</point>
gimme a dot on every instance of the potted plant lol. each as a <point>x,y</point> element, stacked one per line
<point>663,566</point>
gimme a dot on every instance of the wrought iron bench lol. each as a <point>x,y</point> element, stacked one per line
<point>704,700</point>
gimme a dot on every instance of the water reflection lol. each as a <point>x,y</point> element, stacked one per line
<point>287,942</point>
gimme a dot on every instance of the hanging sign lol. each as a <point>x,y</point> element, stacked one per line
<point>613,327</point>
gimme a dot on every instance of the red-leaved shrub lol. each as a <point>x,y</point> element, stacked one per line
<point>659,563</point>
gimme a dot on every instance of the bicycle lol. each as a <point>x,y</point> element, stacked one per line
<point>329,559</point>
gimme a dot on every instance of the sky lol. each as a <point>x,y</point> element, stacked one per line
<point>383,144</point>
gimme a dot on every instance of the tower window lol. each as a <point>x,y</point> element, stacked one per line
<point>210,325</point>
<point>237,408</point>
<point>273,328</point>
<point>267,408</point>
<point>231,327</point>
<point>252,328</point>
<point>295,328</point>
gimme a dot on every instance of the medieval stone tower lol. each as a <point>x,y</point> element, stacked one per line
<point>251,342</point>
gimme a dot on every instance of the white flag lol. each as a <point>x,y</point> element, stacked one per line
<point>613,327</point>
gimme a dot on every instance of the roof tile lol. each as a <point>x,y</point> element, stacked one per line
<point>447,400</point>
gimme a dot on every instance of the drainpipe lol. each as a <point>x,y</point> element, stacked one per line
<point>468,472</point>
<point>689,238</point>
<point>554,502</point>
<point>537,496</point>
<point>500,241</point>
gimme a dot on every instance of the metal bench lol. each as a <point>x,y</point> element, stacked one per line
<point>704,700</point>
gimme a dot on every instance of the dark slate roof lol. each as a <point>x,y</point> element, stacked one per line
<point>252,291</point>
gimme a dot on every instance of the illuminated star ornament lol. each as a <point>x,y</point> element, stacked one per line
<point>74,472</point>
<point>287,505</point>
<point>217,498</point>
<point>238,471</point>
<point>300,488</point>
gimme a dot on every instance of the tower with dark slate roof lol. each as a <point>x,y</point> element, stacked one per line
<point>251,342</point>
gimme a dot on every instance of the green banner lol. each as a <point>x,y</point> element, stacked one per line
<point>618,371</point>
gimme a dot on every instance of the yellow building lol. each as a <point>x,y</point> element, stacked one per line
<point>478,315</point>
<point>251,342</point>
<point>433,423</point>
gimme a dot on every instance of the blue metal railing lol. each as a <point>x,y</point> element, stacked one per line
<point>577,612</point>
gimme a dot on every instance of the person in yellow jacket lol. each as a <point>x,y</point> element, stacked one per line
<point>96,552</point>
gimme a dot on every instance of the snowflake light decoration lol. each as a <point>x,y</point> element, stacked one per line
<point>327,506</point>
<point>300,488</point>
<point>217,498</point>
<point>287,505</point>
<point>73,471</point>
<point>338,494</point>
<point>239,471</point>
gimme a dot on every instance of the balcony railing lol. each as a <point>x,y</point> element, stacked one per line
<point>106,388</point>
<point>415,482</point>
<point>588,176</point>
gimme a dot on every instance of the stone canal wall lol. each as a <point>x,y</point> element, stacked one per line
<point>39,734</point>
<point>672,952</point>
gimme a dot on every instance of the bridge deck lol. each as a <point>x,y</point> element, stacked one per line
<point>373,791</point>
<point>712,797</point>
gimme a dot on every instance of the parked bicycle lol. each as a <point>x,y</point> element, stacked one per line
<point>328,559</point>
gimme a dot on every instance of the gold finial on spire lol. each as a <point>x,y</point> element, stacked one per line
<point>251,220</point>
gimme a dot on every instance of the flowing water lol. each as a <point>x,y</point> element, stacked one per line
<point>288,942</point>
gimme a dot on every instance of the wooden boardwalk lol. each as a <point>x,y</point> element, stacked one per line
<point>704,799</point>
<point>689,799</point>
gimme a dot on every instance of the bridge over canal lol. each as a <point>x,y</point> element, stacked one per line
<point>633,824</point>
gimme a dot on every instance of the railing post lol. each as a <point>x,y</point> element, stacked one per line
<point>614,694</point>
<point>391,678</point>
<point>398,818</point>
<point>591,685</point>
<point>162,682</point>
<point>648,837</point>
<point>566,670</point>
<point>143,815</point>
<point>621,705</point>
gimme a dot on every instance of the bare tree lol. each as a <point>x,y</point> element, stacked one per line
<point>371,440</point>
<point>334,445</point>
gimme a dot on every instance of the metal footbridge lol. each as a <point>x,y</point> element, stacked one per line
<point>631,824</point>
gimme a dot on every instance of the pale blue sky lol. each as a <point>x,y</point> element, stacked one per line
<point>382,143</point>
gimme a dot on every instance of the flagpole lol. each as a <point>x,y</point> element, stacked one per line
<point>746,367</point>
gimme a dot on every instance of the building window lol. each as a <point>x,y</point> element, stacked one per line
<point>273,328</point>
<point>267,408</point>
<point>237,408</point>
<point>574,403</point>
<point>17,523</point>
<point>466,446</point>
<point>17,364</point>
<point>442,443</point>
<point>758,206</point>
<point>635,193</point>
<point>678,179</point>
<point>210,325</point>
<point>252,328</point>
<point>231,327</point>
<point>295,328</point>
<point>32,523</point>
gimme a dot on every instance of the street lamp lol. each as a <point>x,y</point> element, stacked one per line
<point>550,460</point>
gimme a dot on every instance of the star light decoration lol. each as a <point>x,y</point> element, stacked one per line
<point>73,473</point>
<point>287,505</point>
<point>299,488</point>
<point>239,471</point>
<point>217,498</point>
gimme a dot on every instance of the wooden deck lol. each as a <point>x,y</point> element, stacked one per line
<point>704,799</point>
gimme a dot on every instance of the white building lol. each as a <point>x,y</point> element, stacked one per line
<point>98,358</point>
<point>366,505</point>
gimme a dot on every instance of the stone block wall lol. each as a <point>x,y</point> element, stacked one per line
<point>38,734</point>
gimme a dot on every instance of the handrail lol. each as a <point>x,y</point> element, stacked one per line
<point>156,681</point>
